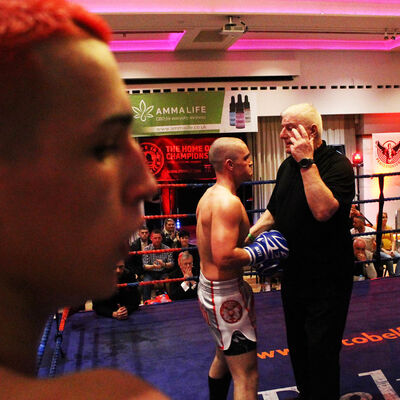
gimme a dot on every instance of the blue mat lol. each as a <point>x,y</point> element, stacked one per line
<point>169,345</point>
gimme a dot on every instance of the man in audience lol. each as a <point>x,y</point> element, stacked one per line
<point>124,301</point>
<point>360,227</point>
<point>362,254</point>
<point>184,243</point>
<point>72,184</point>
<point>186,289</point>
<point>156,265</point>
<point>135,262</point>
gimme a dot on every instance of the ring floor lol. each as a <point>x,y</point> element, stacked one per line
<point>169,345</point>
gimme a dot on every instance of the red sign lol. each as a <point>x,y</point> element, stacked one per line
<point>178,157</point>
<point>388,152</point>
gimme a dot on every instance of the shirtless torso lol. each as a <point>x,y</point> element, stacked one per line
<point>220,217</point>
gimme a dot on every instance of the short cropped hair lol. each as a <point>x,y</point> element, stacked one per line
<point>183,233</point>
<point>222,149</point>
<point>156,232</point>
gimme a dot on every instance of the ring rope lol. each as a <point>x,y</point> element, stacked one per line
<point>375,232</point>
<point>169,216</point>
<point>43,342</point>
<point>59,339</point>
<point>196,185</point>
<point>378,175</point>
<point>374,200</point>
<point>262,182</point>
<point>145,283</point>
<point>131,253</point>
<point>161,216</point>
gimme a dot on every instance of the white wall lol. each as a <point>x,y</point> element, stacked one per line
<point>319,69</point>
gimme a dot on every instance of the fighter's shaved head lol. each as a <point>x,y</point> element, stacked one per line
<point>222,149</point>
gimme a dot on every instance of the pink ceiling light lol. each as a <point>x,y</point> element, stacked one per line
<point>168,44</point>
<point>311,44</point>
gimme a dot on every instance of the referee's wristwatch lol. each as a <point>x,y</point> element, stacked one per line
<point>306,163</point>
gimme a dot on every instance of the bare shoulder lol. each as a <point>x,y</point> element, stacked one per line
<point>99,384</point>
<point>221,198</point>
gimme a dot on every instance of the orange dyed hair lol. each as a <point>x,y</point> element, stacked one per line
<point>25,22</point>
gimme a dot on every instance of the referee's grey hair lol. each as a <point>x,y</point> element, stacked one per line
<point>307,114</point>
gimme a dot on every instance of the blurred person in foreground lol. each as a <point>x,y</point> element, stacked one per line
<point>72,183</point>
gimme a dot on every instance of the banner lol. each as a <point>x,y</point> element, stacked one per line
<point>382,155</point>
<point>178,113</point>
<point>386,152</point>
<point>178,158</point>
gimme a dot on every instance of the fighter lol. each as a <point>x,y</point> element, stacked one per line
<point>226,300</point>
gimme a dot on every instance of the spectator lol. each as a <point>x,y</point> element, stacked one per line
<point>156,265</point>
<point>170,234</point>
<point>185,289</point>
<point>184,243</point>
<point>124,301</point>
<point>354,211</point>
<point>359,227</point>
<point>388,252</point>
<point>135,262</point>
<point>362,254</point>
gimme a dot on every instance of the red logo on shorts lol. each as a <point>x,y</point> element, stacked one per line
<point>231,311</point>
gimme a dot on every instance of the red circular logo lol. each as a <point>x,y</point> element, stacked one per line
<point>388,152</point>
<point>154,157</point>
<point>231,311</point>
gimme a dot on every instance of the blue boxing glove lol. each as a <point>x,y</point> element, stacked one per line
<point>270,245</point>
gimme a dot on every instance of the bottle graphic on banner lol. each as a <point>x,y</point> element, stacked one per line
<point>247,114</point>
<point>240,121</point>
<point>232,112</point>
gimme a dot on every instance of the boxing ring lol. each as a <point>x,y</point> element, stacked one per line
<point>169,344</point>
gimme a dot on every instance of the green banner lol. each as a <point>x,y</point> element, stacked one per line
<point>177,113</point>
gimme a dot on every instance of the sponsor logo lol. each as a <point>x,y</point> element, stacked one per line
<point>154,157</point>
<point>143,112</point>
<point>388,153</point>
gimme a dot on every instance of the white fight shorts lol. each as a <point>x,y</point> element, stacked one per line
<point>228,308</point>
